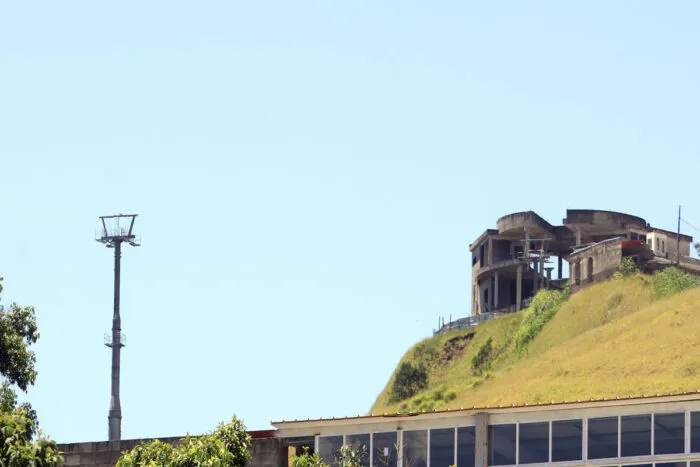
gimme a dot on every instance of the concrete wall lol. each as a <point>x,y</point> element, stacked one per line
<point>604,258</point>
<point>265,452</point>
<point>666,245</point>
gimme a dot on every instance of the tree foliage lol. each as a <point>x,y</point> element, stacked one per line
<point>627,268</point>
<point>408,381</point>
<point>18,330</point>
<point>16,446</point>
<point>672,281</point>
<point>227,446</point>
<point>18,422</point>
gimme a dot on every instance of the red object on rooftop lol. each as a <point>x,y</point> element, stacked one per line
<point>632,243</point>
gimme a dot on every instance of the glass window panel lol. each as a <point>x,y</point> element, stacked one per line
<point>695,433</point>
<point>669,433</point>
<point>671,464</point>
<point>567,440</point>
<point>442,447</point>
<point>533,443</point>
<point>328,447</point>
<point>384,449</point>
<point>501,444</point>
<point>695,464</point>
<point>360,443</point>
<point>415,448</point>
<point>636,435</point>
<point>466,446</point>
<point>602,437</point>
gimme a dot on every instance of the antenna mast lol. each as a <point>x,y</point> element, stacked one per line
<point>116,230</point>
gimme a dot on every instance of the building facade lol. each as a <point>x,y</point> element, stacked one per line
<point>661,431</point>
<point>525,253</point>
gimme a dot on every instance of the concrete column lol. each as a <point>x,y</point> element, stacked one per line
<point>489,255</point>
<point>535,277</point>
<point>481,432</point>
<point>578,237</point>
<point>559,267</point>
<point>526,250</point>
<point>519,288</point>
<point>495,293</point>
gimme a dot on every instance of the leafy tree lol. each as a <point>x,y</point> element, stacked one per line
<point>408,381</point>
<point>307,460</point>
<point>18,423</point>
<point>227,446</point>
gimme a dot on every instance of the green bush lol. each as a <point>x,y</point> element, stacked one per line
<point>672,281</point>
<point>408,381</point>
<point>542,309</point>
<point>627,268</point>
<point>426,352</point>
<point>481,359</point>
<point>430,401</point>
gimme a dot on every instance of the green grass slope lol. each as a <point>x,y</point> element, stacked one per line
<point>612,339</point>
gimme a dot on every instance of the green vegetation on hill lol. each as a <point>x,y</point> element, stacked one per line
<point>632,335</point>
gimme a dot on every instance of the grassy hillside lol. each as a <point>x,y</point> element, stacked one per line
<point>612,339</point>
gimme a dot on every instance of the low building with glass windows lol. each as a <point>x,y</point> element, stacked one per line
<point>661,431</point>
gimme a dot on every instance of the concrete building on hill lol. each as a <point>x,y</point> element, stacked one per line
<point>525,253</point>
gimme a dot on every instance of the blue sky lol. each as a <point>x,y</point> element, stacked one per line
<point>308,177</point>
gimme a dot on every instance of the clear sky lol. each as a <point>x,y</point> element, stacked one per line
<point>308,176</point>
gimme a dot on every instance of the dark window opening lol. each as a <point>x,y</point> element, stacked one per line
<point>442,447</point>
<point>466,446</point>
<point>669,433</point>
<point>636,435</point>
<point>384,449</point>
<point>501,444</point>
<point>695,432</point>
<point>533,443</point>
<point>567,440</point>
<point>602,437</point>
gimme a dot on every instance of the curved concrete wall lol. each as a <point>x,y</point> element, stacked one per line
<point>594,217</point>
<point>517,222</point>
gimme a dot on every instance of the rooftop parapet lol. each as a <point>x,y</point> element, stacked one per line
<point>517,223</point>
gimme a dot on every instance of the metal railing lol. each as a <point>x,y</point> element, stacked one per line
<point>471,321</point>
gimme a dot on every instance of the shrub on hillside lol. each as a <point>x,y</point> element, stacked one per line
<point>542,309</point>
<point>627,268</point>
<point>482,358</point>
<point>408,381</point>
<point>426,352</point>
<point>672,281</point>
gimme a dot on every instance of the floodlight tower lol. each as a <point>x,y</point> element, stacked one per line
<point>116,230</point>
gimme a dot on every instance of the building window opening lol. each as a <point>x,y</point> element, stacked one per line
<point>415,448</point>
<point>466,446</point>
<point>442,447</point>
<point>602,437</point>
<point>669,433</point>
<point>635,435</point>
<point>502,444</point>
<point>384,449</point>
<point>695,432</point>
<point>359,443</point>
<point>328,447</point>
<point>533,443</point>
<point>567,440</point>
<point>590,269</point>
